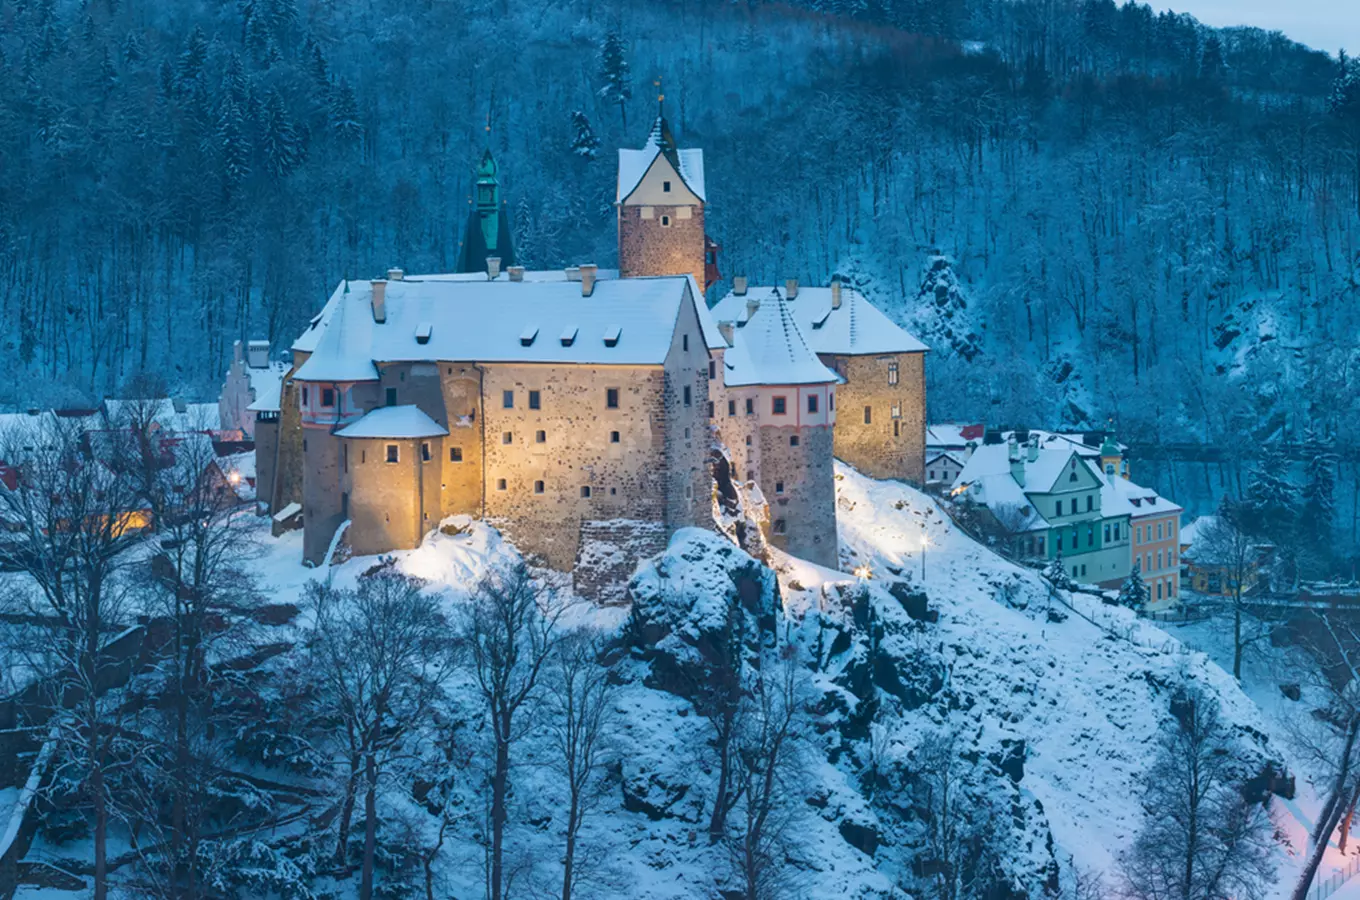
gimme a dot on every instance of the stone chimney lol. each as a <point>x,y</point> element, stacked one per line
<point>739,285</point>
<point>835,293</point>
<point>516,273</point>
<point>379,300</point>
<point>493,268</point>
<point>257,354</point>
<point>727,328</point>
<point>395,274</point>
<point>588,271</point>
<point>790,288</point>
<point>1017,461</point>
<point>752,304</point>
<point>1033,446</point>
<point>573,273</point>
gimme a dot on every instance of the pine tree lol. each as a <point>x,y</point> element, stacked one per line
<point>1317,513</point>
<point>191,61</point>
<point>1056,573</point>
<point>133,48</point>
<point>614,72</point>
<point>344,114</point>
<point>1269,504</point>
<point>316,65</point>
<point>233,146</point>
<point>585,145</point>
<point>1134,594</point>
<point>283,148</point>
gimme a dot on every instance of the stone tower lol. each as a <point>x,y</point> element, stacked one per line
<point>660,205</point>
<point>488,225</point>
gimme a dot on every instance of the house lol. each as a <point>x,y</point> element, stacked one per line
<point>1155,525</point>
<point>943,466</point>
<point>252,385</point>
<point>1209,568</point>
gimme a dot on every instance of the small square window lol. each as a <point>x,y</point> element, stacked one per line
<point>611,398</point>
<point>750,406</point>
<point>393,453</point>
<point>425,451</point>
<point>508,399</point>
<point>665,187</point>
<point>538,487</point>
<point>535,400</point>
<point>731,407</point>
<point>780,405</point>
<point>540,437</point>
<point>585,491</point>
<point>779,487</point>
<point>455,454</point>
<point>793,440</point>
<point>781,527</point>
<point>507,437</point>
<point>812,403</point>
<point>687,394</point>
<point>613,437</point>
<point>328,397</point>
<point>391,396</point>
<point>500,484</point>
<point>748,440</point>
<point>665,221</point>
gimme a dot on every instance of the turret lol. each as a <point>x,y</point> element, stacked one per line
<point>1112,460</point>
<point>487,233</point>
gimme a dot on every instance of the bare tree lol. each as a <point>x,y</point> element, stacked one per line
<point>71,522</point>
<point>582,713</point>
<point>957,855</point>
<point>1202,837</point>
<point>509,631</point>
<point>382,652</point>
<point>1222,544</point>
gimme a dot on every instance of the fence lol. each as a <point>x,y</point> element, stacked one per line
<point>1325,887</point>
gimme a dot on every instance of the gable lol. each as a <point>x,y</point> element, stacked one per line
<point>651,188</point>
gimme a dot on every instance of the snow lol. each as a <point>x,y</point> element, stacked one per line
<point>267,385</point>
<point>994,459</point>
<point>394,422</point>
<point>634,164</point>
<point>771,350</point>
<point>952,436</point>
<point>857,327</point>
<point>288,512</point>
<point>478,319</point>
<point>1117,496</point>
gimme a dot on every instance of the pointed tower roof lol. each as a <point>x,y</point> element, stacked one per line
<point>770,350</point>
<point>487,232</point>
<point>634,164</point>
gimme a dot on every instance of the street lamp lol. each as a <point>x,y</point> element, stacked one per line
<point>925,542</point>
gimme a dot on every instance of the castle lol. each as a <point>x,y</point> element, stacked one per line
<point>580,410</point>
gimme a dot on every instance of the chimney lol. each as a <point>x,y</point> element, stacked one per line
<point>1033,446</point>
<point>257,354</point>
<point>588,271</point>
<point>379,300</point>
<point>516,273</point>
<point>739,285</point>
<point>726,329</point>
<point>395,274</point>
<point>493,268</point>
<point>573,273</point>
<point>752,304</point>
<point>236,354</point>
<point>835,293</point>
<point>1017,461</point>
<point>790,288</point>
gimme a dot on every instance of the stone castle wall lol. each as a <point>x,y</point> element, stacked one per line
<point>887,446</point>
<point>266,458</point>
<point>391,505</point>
<point>688,438</point>
<point>322,489</point>
<point>805,510</point>
<point>647,247</point>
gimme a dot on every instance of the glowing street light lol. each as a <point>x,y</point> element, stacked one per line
<point>925,542</point>
<point>862,572</point>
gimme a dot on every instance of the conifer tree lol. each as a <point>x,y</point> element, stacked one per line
<point>1056,573</point>
<point>1269,504</point>
<point>344,114</point>
<point>191,61</point>
<point>1317,513</point>
<point>585,145</point>
<point>283,148</point>
<point>614,73</point>
<point>233,146</point>
<point>1134,594</point>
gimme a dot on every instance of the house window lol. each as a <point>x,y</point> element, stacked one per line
<point>897,428</point>
<point>779,487</point>
<point>712,369</point>
<point>613,437</point>
<point>750,406</point>
<point>931,476</point>
<point>748,440</point>
<point>831,401</point>
<point>1116,531</point>
<point>812,403</point>
<point>328,397</point>
<point>585,491</point>
<point>1059,508</point>
<point>535,400</point>
<point>687,395</point>
<point>391,396</point>
<point>538,487</point>
<point>1090,535</point>
<point>507,437</point>
<point>393,453</point>
<point>1107,533</point>
<point>780,406</point>
<point>665,221</point>
<point>611,398</point>
<point>363,457</point>
<point>304,396</point>
<point>793,440</point>
<point>1090,502</point>
<point>540,437</point>
<point>781,526</point>
<point>1159,531</point>
<point>508,399</point>
<point>1159,559</point>
<point>500,484</point>
<point>1041,546</point>
<point>424,451</point>
<point>892,373</point>
<point>1159,590</point>
<point>684,342</point>
<point>731,407</point>
<point>710,409</point>
<point>1138,535</point>
<point>868,415</point>
<point>455,454</point>
<point>665,187</point>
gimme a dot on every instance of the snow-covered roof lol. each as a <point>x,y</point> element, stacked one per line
<point>953,456</point>
<point>856,328</point>
<point>266,383</point>
<point>994,459</point>
<point>713,338</point>
<point>999,492</point>
<point>953,434</point>
<point>394,422</point>
<point>1121,497</point>
<point>1060,440</point>
<point>633,165</point>
<point>623,322</point>
<point>771,350</point>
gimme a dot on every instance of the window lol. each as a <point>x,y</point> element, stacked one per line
<point>393,453</point>
<point>424,451</point>
<point>508,399</point>
<point>779,487</point>
<point>1107,533</point>
<point>868,415</point>
<point>304,396</point>
<point>613,437</point>
<point>507,437</point>
<point>1159,531</point>
<point>665,221</point>
<point>1041,546</point>
<point>931,476</point>
<point>1159,590</point>
<point>748,440</point>
<point>538,487</point>
<point>1072,476</point>
<point>831,400</point>
<point>540,437</point>
<point>892,373</point>
<point>1090,535</point>
<point>611,398</point>
<point>1083,570</point>
<point>1090,502</point>
<point>780,406</point>
<point>684,342</point>
<point>710,409</point>
<point>781,527</point>
<point>750,406</point>
<point>1159,559</point>
<point>391,396</point>
<point>455,454</point>
<point>687,394</point>
<point>1138,539</point>
<point>363,456</point>
<point>731,407</point>
<point>1116,531</point>
<point>896,411</point>
<point>812,403</point>
<point>585,491</point>
<point>500,484</point>
<point>535,400</point>
<point>897,428</point>
<point>665,187</point>
<point>712,369</point>
<point>328,397</point>
<point>1059,508</point>
<point>1147,562</point>
<point>793,440</point>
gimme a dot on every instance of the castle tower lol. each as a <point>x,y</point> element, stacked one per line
<point>660,204</point>
<point>1112,460</point>
<point>488,225</point>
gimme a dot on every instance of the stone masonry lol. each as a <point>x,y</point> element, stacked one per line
<point>661,240</point>
<point>892,442</point>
